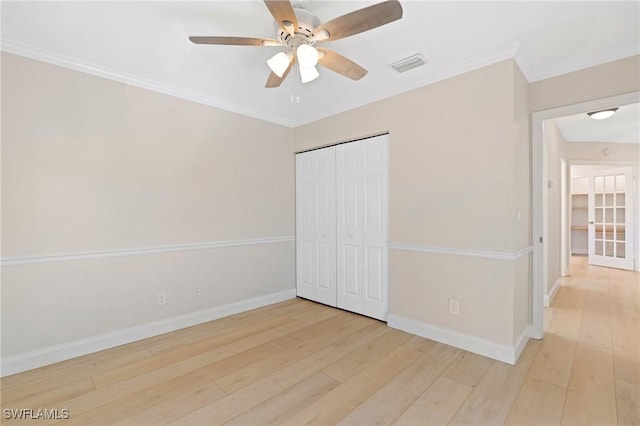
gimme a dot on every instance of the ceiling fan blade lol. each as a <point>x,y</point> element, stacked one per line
<point>283,13</point>
<point>274,80</point>
<point>361,20</point>
<point>338,63</point>
<point>235,41</point>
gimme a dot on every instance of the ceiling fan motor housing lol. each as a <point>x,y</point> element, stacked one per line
<point>307,22</point>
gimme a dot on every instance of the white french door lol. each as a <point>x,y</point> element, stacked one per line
<point>341,226</point>
<point>316,225</point>
<point>611,219</point>
<point>361,175</point>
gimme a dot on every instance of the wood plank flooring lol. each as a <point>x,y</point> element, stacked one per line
<point>299,362</point>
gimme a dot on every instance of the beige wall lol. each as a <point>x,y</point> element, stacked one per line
<point>52,303</point>
<point>615,78</point>
<point>522,279</point>
<point>93,164</point>
<point>555,152</point>
<point>448,157</point>
<point>453,183</point>
<point>602,81</point>
<point>593,152</point>
<point>90,164</point>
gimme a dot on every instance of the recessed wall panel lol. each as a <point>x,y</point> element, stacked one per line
<point>373,202</point>
<point>351,266</point>
<point>374,271</point>
<point>325,259</point>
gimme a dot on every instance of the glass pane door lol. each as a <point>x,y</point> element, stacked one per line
<point>610,233</point>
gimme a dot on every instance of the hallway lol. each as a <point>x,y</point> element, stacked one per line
<point>587,369</point>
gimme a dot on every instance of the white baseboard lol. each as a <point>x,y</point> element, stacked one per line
<point>504,353</point>
<point>581,252</point>
<point>522,342</point>
<point>548,298</point>
<point>52,354</point>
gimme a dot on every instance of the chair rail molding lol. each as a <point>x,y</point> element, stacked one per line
<point>487,254</point>
<point>20,260</point>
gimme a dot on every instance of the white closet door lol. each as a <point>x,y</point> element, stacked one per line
<point>361,180</point>
<point>316,226</point>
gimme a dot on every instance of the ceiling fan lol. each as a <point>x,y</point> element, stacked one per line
<point>298,31</point>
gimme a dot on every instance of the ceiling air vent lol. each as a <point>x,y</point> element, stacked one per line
<point>409,63</point>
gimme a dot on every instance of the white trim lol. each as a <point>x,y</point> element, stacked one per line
<point>11,46</point>
<point>75,64</point>
<point>502,54</point>
<point>524,64</point>
<point>508,51</point>
<point>565,227</point>
<point>521,343</point>
<point>52,354</point>
<point>548,298</point>
<point>571,66</point>
<point>500,255</point>
<point>7,261</point>
<point>539,183</point>
<point>522,252</point>
<point>504,353</point>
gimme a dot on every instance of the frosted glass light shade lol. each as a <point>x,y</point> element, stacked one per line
<point>602,115</point>
<point>307,55</point>
<point>308,74</point>
<point>279,63</point>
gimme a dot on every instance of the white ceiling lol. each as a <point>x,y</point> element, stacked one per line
<point>145,44</point>
<point>622,127</point>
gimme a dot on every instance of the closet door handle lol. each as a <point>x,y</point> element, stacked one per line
<point>350,236</point>
<point>590,222</point>
<point>324,235</point>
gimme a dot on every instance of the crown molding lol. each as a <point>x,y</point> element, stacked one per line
<point>506,52</point>
<point>537,74</point>
<point>509,51</point>
<point>16,48</point>
<point>524,64</point>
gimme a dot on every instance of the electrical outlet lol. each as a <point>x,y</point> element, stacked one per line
<point>196,292</point>
<point>454,307</point>
<point>162,298</point>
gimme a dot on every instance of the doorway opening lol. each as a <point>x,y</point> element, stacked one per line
<point>547,234</point>
<point>602,215</point>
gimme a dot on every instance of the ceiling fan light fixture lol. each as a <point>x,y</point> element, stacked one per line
<point>279,63</point>
<point>307,56</point>
<point>321,35</point>
<point>297,32</point>
<point>308,74</point>
<point>602,114</point>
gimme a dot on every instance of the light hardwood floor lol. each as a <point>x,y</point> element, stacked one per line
<point>298,362</point>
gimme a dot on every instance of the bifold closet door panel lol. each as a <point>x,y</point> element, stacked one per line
<point>316,226</point>
<point>362,197</point>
